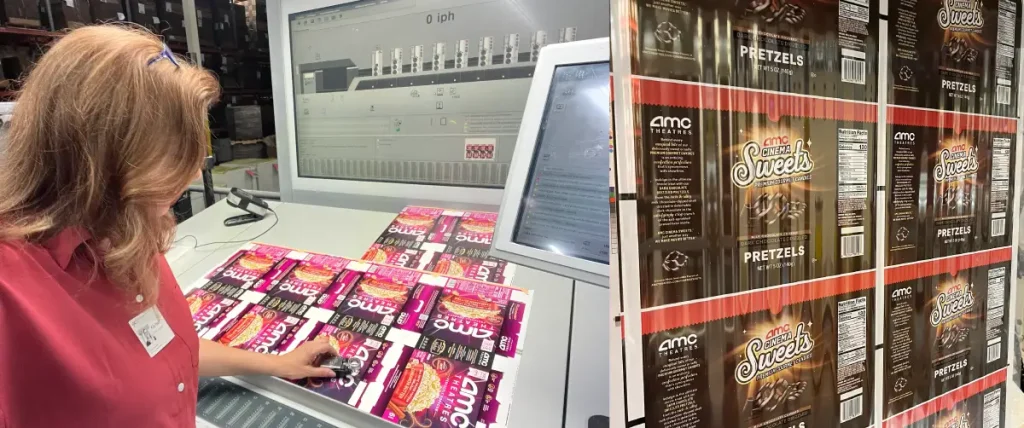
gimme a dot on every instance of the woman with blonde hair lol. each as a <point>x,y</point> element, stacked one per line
<point>108,131</point>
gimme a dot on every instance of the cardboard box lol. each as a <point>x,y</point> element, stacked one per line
<point>144,13</point>
<point>205,22</point>
<point>106,11</point>
<point>20,13</point>
<point>172,20</point>
<point>67,14</point>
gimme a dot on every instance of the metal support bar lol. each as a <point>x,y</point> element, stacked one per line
<point>274,196</point>
<point>192,31</point>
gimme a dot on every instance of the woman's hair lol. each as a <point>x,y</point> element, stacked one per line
<point>105,135</point>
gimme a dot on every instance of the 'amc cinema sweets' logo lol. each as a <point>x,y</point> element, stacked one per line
<point>779,350</point>
<point>962,16</point>
<point>952,303</point>
<point>956,162</point>
<point>772,161</point>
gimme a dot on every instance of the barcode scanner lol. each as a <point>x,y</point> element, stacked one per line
<point>255,208</point>
<point>341,366</point>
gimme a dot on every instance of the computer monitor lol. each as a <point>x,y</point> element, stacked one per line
<point>555,212</point>
<point>417,99</point>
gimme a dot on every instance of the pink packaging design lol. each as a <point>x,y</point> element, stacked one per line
<point>486,269</point>
<point>443,385</point>
<point>469,313</point>
<point>443,229</point>
<point>298,335</point>
<point>206,306</point>
<point>475,230</point>
<point>380,295</point>
<point>398,256</point>
<point>259,330</point>
<point>356,344</point>
<point>223,321</point>
<point>489,411</point>
<point>511,329</point>
<point>383,376</point>
<point>306,280</point>
<point>411,227</point>
<point>273,275</point>
<point>247,266</point>
<point>414,316</point>
<point>337,292</point>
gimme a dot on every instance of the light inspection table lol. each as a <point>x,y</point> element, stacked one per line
<point>553,383</point>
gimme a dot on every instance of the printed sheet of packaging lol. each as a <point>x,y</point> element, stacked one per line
<point>824,48</point>
<point>385,319</point>
<point>450,243</point>
<point>946,326</point>
<point>955,55</point>
<point>981,403</point>
<point>950,183</point>
<point>755,127</point>
<point>951,134</point>
<point>794,356</point>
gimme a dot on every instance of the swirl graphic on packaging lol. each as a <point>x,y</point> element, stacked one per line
<point>952,304</point>
<point>780,349</point>
<point>956,163</point>
<point>772,162</point>
<point>961,16</point>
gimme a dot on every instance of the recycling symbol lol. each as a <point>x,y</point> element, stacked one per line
<point>667,32</point>
<point>900,384</point>
<point>675,261</point>
<point>902,234</point>
<point>906,73</point>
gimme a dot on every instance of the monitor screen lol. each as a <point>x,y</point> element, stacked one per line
<point>422,91</point>
<point>565,207</point>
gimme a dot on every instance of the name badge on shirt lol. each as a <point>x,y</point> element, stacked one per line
<point>152,330</point>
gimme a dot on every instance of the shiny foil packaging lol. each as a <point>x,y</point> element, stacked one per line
<point>813,47</point>
<point>950,179</point>
<point>792,356</point>
<point>741,190</point>
<point>955,55</point>
<point>946,326</point>
<point>981,403</point>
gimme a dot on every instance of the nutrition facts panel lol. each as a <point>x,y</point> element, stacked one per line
<point>566,198</point>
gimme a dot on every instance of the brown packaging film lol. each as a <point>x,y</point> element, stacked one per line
<point>791,356</point>
<point>946,326</point>
<point>812,47</point>
<point>950,179</point>
<point>742,190</point>
<point>954,55</point>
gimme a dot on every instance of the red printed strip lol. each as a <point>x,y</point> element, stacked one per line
<point>773,104</point>
<point>950,120</point>
<point>945,401</point>
<point>773,299</point>
<point>949,265</point>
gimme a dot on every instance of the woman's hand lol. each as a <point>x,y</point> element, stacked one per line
<point>301,363</point>
<point>216,359</point>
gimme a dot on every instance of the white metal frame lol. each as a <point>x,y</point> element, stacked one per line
<point>582,52</point>
<point>279,12</point>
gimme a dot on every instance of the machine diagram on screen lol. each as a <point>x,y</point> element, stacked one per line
<point>422,91</point>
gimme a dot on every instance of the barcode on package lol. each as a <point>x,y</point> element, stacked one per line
<point>1003,95</point>
<point>998,226</point>
<point>851,408</point>
<point>852,246</point>
<point>854,71</point>
<point>993,352</point>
